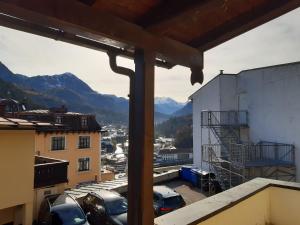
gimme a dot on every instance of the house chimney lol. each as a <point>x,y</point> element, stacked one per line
<point>221,72</point>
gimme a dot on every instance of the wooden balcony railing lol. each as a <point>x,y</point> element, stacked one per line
<point>48,171</point>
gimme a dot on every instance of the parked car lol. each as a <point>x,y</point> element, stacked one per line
<point>166,200</point>
<point>105,207</point>
<point>61,210</point>
<point>110,208</point>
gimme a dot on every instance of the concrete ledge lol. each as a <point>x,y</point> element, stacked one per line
<point>118,185</point>
<point>207,208</point>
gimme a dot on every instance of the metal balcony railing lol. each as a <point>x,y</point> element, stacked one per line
<point>230,171</point>
<point>224,118</point>
<point>262,154</point>
<point>48,171</point>
<point>254,155</point>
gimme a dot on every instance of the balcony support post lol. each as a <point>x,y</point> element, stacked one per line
<point>140,154</point>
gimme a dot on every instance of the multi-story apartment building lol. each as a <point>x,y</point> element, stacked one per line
<point>25,178</point>
<point>75,138</point>
<point>249,123</point>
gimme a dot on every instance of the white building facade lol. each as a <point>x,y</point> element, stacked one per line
<point>271,97</point>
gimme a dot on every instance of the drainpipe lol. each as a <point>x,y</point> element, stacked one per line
<point>129,73</point>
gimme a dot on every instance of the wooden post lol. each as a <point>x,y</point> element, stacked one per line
<point>140,155</point>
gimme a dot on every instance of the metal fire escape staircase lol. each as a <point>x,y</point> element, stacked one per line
<point>231,160</point>
<point>225,127</point>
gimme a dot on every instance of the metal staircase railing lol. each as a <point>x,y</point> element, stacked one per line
<point>221,168</point>
<point>224,118</point>
<point>231,160</point>
<point>225,126</point>
<point>224,132</point>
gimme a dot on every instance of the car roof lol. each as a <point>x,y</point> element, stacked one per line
<point>106,195</point>
<point>164,191</point>
<point>64,199</point>
<point>61,201</point>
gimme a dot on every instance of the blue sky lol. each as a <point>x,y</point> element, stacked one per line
<point>273,43</point>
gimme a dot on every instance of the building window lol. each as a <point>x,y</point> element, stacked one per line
<point>83,164</point>
<point>58,143</point>
<point>84,142</point>
<point>58,119</point>
<point>84,121</point>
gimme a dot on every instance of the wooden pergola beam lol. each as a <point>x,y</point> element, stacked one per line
<point>177,11</point>
<point>75,18</point>
<point>243,23</point>
<point>25,26</point>
<point>168,11</point>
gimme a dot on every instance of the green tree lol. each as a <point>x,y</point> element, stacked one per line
<point>184,137</point>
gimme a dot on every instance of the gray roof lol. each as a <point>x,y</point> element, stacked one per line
<point>107,195</point>
<point>38,111</point>
<point>15,123</point>
<point>47,111</point>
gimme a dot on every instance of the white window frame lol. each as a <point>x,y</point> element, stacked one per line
<point>78,144</point>
<point>84,118</point>
<point>58,119</point>
<point>78,165</point>
<point>65,146</point>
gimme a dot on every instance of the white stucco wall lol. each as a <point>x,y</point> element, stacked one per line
<point>228,92</point>
<point>206,98</point>
<point>272,97</point>
<point>273,102</point>
<point>217,95</point>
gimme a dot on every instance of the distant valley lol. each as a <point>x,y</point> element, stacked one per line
<point>46,91</point>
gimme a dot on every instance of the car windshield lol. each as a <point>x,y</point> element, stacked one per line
<point>116,206</point>
<point>68,216</point>
<point>173,201</point>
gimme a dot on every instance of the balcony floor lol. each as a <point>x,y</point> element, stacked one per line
<point>189,193</point>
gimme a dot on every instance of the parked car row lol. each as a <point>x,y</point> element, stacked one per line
<point>102,207</point>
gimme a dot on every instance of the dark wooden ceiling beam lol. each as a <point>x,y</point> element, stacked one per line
<point>243,23</point>
<point>75,18</point>
<point>18,24</point>
<point>167,10</point>
<point>171,12</point>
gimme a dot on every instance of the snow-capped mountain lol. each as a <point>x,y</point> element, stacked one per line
<point>67,89</point>
<point>167,105</point>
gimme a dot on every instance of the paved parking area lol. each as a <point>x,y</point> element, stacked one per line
<point>189,193</point>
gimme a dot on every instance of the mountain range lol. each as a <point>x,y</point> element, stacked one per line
<point>167,105</point>
<point>45,91</point>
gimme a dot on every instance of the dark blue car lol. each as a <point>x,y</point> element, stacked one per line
<point>166,200</point>
<point>61,210</point>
